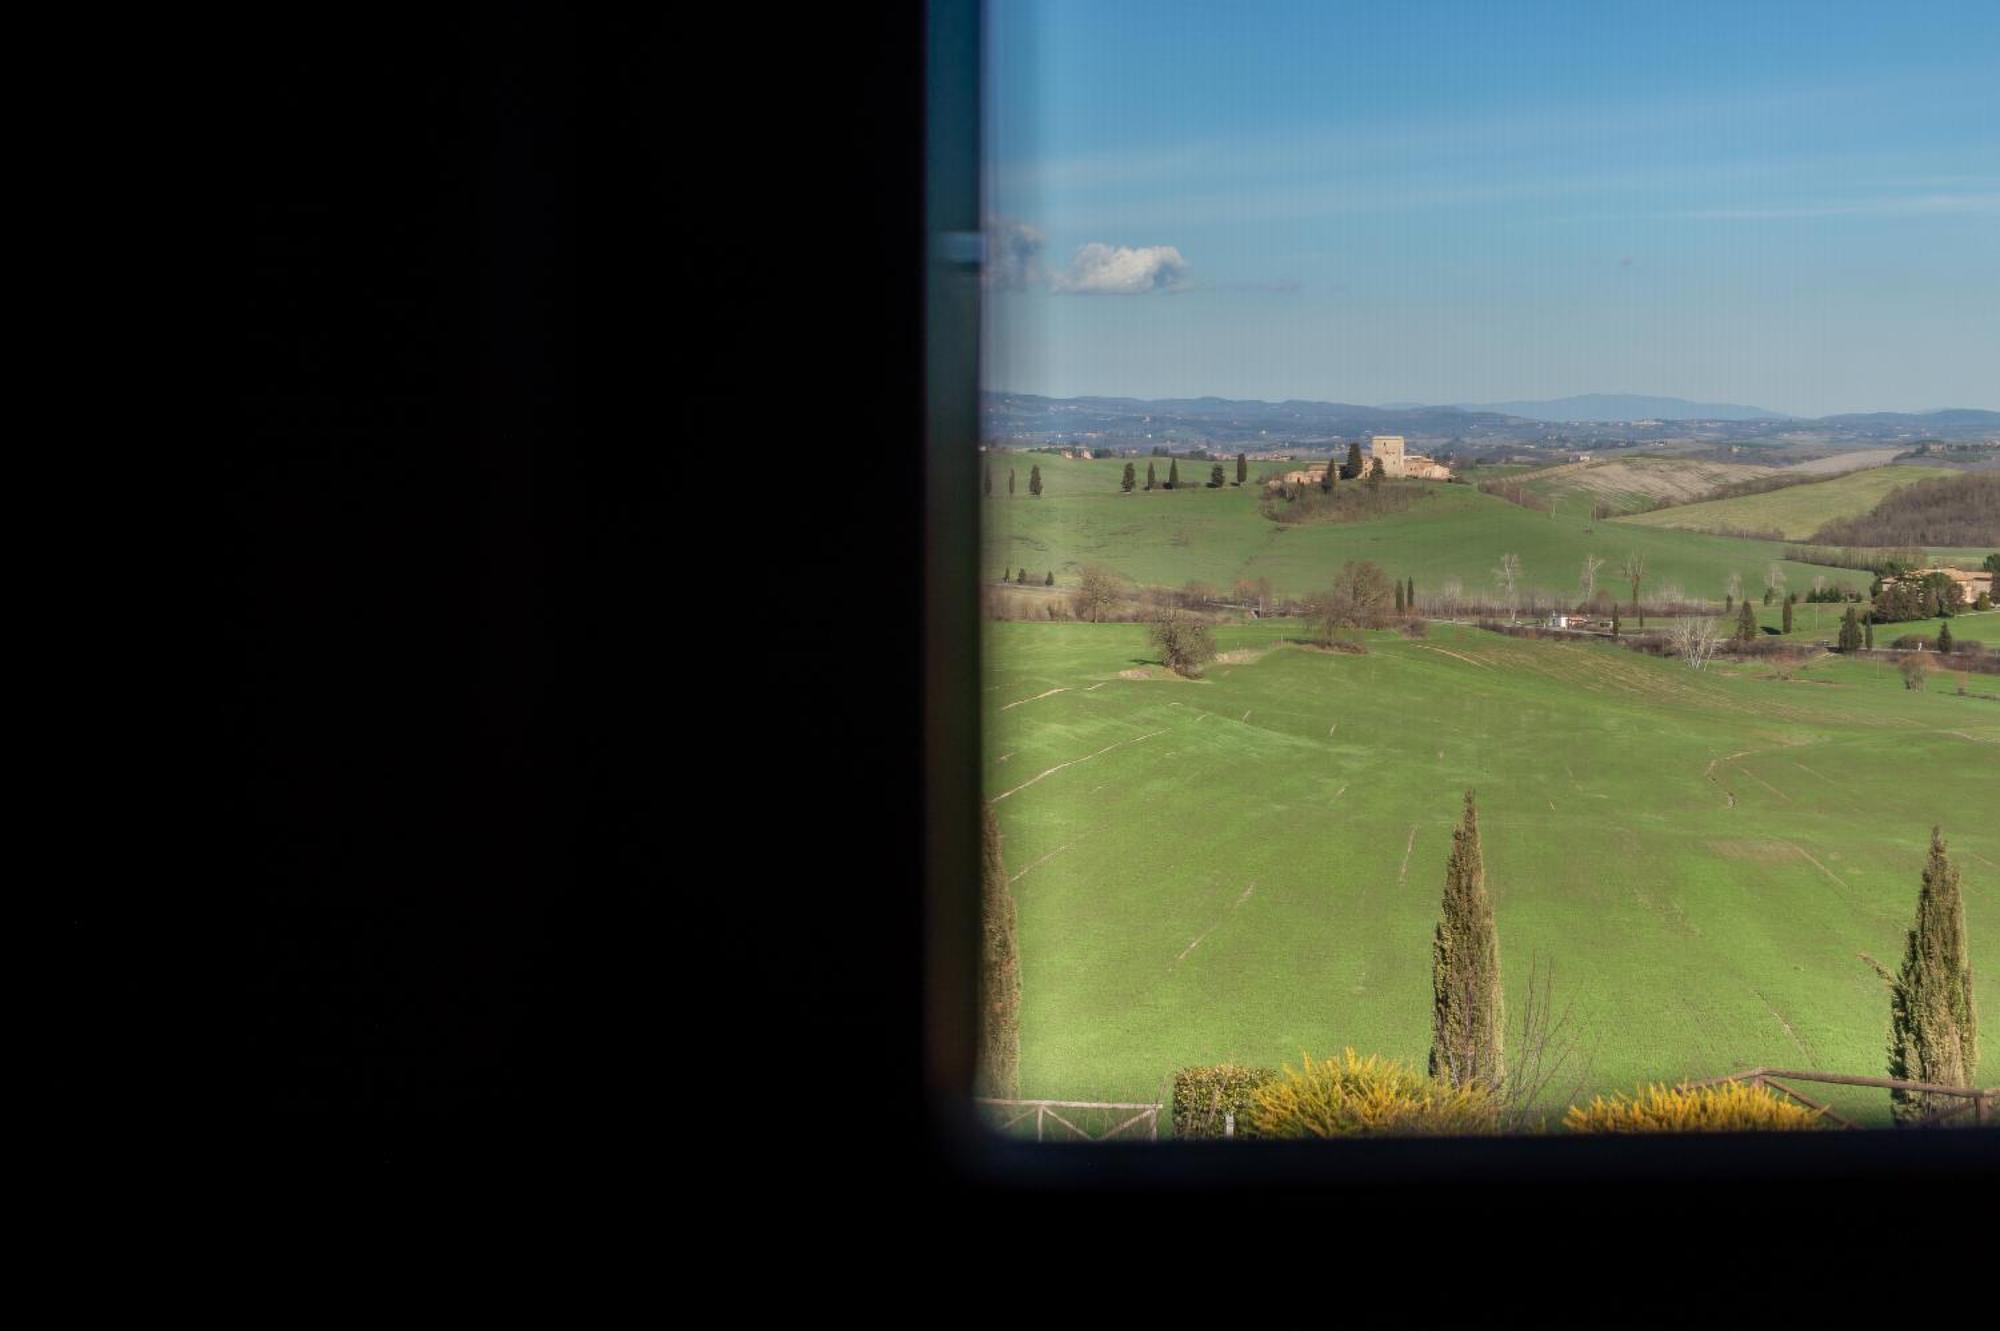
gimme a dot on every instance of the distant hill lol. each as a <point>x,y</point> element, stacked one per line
<point>1627,407</point>
<point>1961,417</point>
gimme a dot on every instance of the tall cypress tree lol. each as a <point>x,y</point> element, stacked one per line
<point>1933,1027</point>
<point>999,972</point>
<point>1152,478</point>
<point>1399,598</point>
<point>1944,638</point>
<point>1746,624</point>
<point>1129,480</point>
<point>1788,616</point>
<point>1410,594</point>
<point>1353,467</point>
<point>1242,468</point>
<point>1173,474</point>
<point>1850,630</point>
<point>1010,480</point>
<point>1467,1016</point>
<point>1035,481</point>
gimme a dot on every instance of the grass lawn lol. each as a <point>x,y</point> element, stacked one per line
<point>1248,867</point>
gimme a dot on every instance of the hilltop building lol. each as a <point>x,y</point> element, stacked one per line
<point>1389,449</point>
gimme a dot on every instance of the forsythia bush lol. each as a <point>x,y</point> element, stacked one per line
<point>1374,1096</point>
<point>1729,1107</point>
<point>1202,1096</point>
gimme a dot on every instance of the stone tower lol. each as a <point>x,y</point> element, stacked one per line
<point>1389,448</point>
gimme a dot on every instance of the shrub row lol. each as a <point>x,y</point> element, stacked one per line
<point>1354,1096</point>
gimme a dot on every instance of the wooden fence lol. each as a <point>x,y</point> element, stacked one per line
<point>1047,1111</point>
<point>1980,1101</point>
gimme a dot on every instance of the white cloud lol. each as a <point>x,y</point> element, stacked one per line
<point>1122,270</point>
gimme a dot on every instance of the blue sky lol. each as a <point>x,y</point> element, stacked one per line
<point>1792,206</point>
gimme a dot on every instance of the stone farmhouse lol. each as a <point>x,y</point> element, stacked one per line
<point>1389,450</point>
<point>1973,583</point>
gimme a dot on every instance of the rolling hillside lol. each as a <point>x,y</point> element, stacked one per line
<point>1451,531</point>
<point>1630,484</point>
<point>1248,867</point>
<point>1798,511</point>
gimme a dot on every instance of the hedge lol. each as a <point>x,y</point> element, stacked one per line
<point>1203,1096</point>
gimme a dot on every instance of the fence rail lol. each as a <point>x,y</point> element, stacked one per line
<point>1046,1110</point>
<point>1980,1100</point>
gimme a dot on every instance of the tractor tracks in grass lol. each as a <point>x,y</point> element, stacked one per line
<point>1408,846</point>
<point>1790,1034</point>
<point>1051,771</point>
<point>1037,698</point>
<point>1217,925</point>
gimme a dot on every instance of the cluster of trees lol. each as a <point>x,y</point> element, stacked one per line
<point>1947,510</point>
<point>1217,478</point>
<point>1929,596</point>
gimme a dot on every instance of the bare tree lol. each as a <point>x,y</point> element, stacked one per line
<point>1453,592</point>
<point>1774,581</point>
<point>1695,640</point>
<point>1507,575</point>
<point>1734,589</point>
<point>1098,594</point>
<point>1634,571</point>
<point>1547,1048</point>
<point>1183,641</point>
<point>1358,599</point>
<point>1587,583</point>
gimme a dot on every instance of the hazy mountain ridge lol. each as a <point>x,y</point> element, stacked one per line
<point>1244,423</point>
<point>1627,407</point>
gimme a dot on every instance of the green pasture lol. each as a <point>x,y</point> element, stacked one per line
<point>1798,511</point>
<point>1167,538</point>
<point>1248,867</point>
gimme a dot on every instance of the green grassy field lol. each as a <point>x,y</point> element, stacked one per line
<point>1798,511</point>
<point>1452,531</point>
<point>1249,867</point>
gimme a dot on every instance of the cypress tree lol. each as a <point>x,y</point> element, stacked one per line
<point>1410,594</point>
<point>1035,481</point>
<point>1933,1027</point>
<point>1353,467</point>
<point>1050,581</point>
<point>1216,480</point>
<point>1466,1009</point>
<point>1242,468</point>
<point>1728,602</point>
<point>999,973</point>
<point>1022,576</point>
<point>1399,598</point>
<point>1944,638</point>
<point>1788,616</point>
<point>1129,480</point>
<point>1850,630</point>
<point>1010,480</point>
<point>1152,479</point>
<point>1173,474</point>
<point>1746,624</point>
